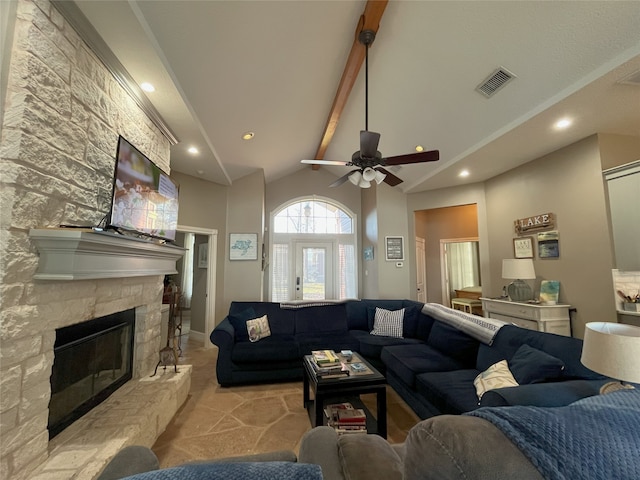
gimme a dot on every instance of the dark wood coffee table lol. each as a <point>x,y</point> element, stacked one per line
<point>348,388</point>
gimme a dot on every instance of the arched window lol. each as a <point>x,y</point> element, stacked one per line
<point>313,251</point>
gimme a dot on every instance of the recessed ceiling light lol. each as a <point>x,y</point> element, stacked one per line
<point>563,123</point>
<point>464,173</point>
<point>248,136</point>
<point>192,150</point>
<point>419,148</point>
<point>200,172</point>
<point>147,87</point>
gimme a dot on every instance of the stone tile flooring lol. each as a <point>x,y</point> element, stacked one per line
<point>217,422</point>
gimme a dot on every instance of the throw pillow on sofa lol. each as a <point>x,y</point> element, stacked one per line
<point>497,375</point>
<point>258,328</point>
<point>530,365</point>
<point>239,322</point>
<point>388,323</point>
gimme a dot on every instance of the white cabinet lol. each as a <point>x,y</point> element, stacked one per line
<point>543,318</point>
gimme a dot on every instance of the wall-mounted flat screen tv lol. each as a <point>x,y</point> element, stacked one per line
<point>145,199</point>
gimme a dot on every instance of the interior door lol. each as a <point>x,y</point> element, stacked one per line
<point>313,269</point>
<point>421,270</point>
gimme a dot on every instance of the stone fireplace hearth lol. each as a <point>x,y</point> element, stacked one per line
<point>138,412</point>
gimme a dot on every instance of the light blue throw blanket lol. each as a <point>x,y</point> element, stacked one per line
<point>596,438</point>
<point>235,471</point>
<point>480,328</point>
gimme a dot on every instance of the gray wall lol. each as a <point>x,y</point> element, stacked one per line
<point>204,204</point>
<point>569,184</point>
<point>245,212</point>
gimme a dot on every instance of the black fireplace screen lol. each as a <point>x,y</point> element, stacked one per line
<point>91,361</point>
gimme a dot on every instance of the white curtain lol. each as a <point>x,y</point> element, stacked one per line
<point>463,265</point>
<point>187,269</point>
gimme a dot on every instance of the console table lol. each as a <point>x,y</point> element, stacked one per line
<point>543,318</point>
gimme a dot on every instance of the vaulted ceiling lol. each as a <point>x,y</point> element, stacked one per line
<point>224,68</point>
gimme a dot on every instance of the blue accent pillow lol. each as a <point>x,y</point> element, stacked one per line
<point>530,365</point>
<point>239,322</point>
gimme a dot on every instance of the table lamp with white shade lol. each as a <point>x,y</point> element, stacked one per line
<point>518,269</point>
<point>612,349</point>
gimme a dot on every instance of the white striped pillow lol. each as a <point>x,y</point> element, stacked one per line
<point>388,323</point>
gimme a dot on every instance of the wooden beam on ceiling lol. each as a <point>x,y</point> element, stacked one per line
<point>369,20</point>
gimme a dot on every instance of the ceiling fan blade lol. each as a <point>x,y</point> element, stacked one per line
<point>419,157</point>
<point>369,143</point>
<point>323,162</point>
<point>342,179</point>
<point>390,178</point>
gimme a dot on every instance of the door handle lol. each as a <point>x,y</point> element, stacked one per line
<point>297,283</point>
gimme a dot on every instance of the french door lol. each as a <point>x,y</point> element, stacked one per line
<point>313,270</point>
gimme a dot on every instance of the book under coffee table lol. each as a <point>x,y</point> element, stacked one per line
<point>343,389</point>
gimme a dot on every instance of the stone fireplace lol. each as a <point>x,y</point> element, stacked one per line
<point>63,110</point>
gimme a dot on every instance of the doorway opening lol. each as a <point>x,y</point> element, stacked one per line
<point>196,279</point>
<point>460,262</point>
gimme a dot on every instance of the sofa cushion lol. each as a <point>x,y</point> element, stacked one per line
<point>449,392</point>
<point>276,348</point>
<point>386,304</point>
<point>281,320</point>
<point>337,341</point>
<point>239,322</point>
<point>371,345</point>
<point>454,343</point>
<point>496,376</point>
<point>325,318</point>
<point>407,361</point>
<point>258,328</point>
<point>388,323</point>
<point>530,365</point>
<point>411,321</point>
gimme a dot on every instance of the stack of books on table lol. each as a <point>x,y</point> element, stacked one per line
<point>326,364</point>
<point>345,419</point>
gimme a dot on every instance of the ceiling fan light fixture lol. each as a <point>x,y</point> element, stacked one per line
<point>379,178</point>
<point>355,178</point>
<point>364,184</point>
<point>369,174</point>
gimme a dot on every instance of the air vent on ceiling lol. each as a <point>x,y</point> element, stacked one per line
<point>632,79</point>
<point>495,82</point>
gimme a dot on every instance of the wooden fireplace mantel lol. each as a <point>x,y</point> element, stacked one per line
<point>84,254</point>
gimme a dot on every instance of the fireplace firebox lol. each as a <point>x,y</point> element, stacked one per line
<point>91,361</point>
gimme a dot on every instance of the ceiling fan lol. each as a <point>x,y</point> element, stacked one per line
<point>368,160</point>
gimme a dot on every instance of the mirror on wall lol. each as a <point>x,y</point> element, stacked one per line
<point>623,186</point>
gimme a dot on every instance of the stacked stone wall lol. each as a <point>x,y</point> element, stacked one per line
<point>63,113</point>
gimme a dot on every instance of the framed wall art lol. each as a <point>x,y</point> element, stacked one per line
<point>394,248</point>
<point>243,246</point>
<point>549,244</point>
<point>523,247</point>
<point>203,254</point>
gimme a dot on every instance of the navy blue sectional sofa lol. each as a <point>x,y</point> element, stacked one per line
<point>432,367</point>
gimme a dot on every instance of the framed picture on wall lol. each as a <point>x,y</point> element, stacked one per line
<point>243,246</point>
<point>394,248</point>
<point>203,255</point>
<point>523,247</point>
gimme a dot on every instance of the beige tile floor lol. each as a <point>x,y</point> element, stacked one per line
<point>217,422</point>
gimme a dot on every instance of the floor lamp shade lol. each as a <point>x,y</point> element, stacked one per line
<point>518,269</point>
<point>612,349</point>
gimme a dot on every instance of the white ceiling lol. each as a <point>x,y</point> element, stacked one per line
<point>222,68</point>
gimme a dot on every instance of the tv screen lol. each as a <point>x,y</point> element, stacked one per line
<point>145,199</point>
